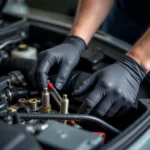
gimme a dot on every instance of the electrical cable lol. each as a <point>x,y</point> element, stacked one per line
<point>70,117</point>
<point>80,117</point>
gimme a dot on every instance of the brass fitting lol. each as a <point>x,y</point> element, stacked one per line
<point>45,109</point>
<point>22,101</point>
<point>33,104</point>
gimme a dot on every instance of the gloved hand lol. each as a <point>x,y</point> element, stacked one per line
<point>113,90</point>
<point>67,55</point>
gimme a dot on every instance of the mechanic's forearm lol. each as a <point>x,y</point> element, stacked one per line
<point>141,51</point>
<point>90,15</point>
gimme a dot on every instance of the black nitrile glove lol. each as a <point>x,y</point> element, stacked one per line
<point>66,55</point>
<point>113,90</point>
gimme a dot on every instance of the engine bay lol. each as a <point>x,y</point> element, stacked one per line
<point>49,119</point>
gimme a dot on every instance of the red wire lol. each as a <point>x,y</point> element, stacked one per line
<point>100,134</point>
<point>50,87</point>
<point>72,122</point>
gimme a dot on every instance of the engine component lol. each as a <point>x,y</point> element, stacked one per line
<point>17,138</point>
<point>24,109</point>
<point>11,64</point>
<point>73,123</point>
<point>24,51</point>
<point>16,78</point>
<point>46,107</point>
<point>25,65</point>
<point>33,104</point>
<point>4,83</point>
<point>3,54</point>
<point>58,136</point>
<point>12,118</point>
<point>101,134</point>
<point>44,116</point>
<point>3,103</point>
<point>8,119</point>
<point>11,41</point>
<point>13,94</point>
<point>54,93</point>
<point>64,106</point>
<point>21,101</point>
<point>34,129</point>
<point>77,126</point>
<point>11,110</point>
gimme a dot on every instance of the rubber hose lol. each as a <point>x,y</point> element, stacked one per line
<point>67,117</point>
<point>25,65</point>
<point>11,64</point>
<point>70,117</point>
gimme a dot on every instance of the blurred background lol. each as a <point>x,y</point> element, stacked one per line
<point>66,7</point>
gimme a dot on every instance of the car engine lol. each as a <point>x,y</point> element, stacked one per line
<point>48,119</point>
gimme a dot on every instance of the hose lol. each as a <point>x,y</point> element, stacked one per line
<point>14,94</point>
<point>70,117</point>
<point>11,64</point>
<point>9,42</point>
<point>25,65</point>
<point>43,116</point>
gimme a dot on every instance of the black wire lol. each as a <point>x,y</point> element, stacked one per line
<point>68,117</point>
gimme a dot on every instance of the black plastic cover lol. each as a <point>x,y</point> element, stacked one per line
<point>15,137</point>
<point>63,137</point>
